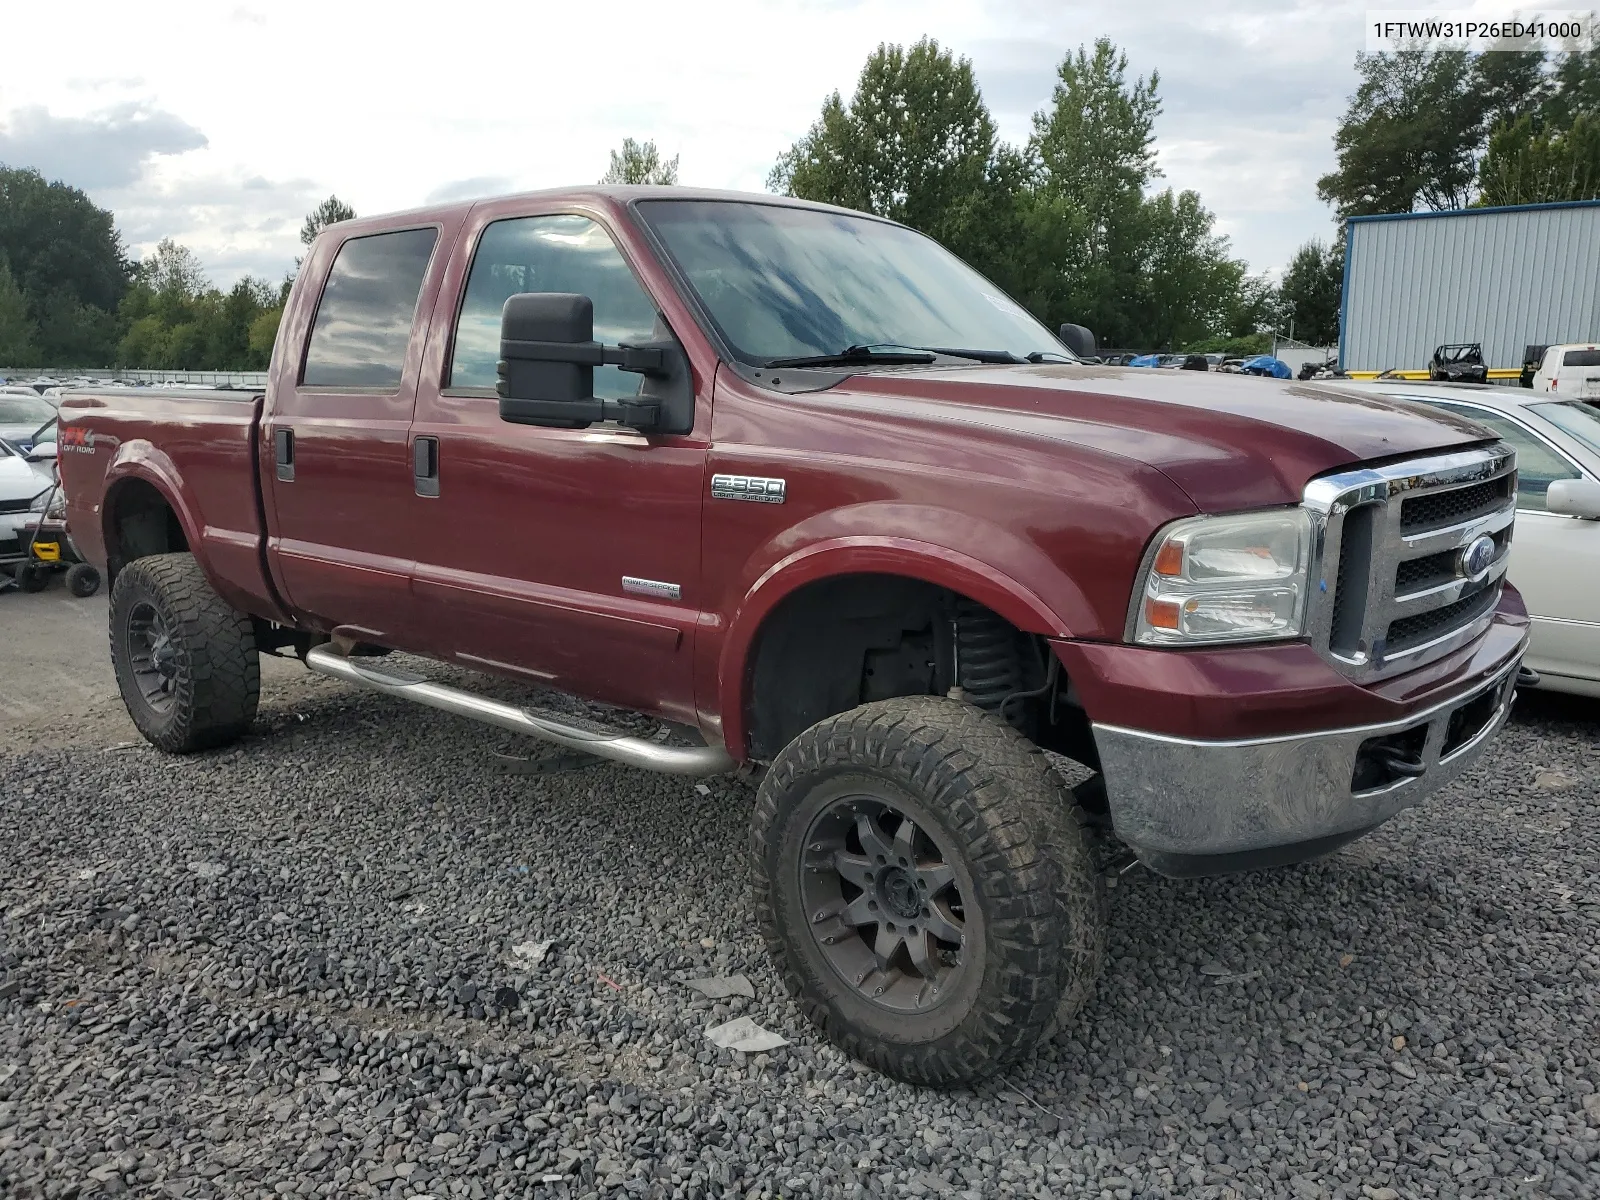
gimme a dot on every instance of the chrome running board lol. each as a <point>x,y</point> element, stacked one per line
<point>618,747</point>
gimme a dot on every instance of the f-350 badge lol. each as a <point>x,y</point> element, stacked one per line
<point>747,487</point>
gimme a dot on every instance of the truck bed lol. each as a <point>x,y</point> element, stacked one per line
<point>200,448</point>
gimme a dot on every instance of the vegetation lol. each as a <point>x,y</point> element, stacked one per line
<point>1065,222</point>
<point>640,162</point>
<point>1444,130</point>
<point>1072,222</point>
<point>74,299</point>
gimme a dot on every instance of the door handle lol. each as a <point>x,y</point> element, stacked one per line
<point>425,465</point>
<point>283,453</point>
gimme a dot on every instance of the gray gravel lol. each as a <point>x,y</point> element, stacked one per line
<point>287,968</point>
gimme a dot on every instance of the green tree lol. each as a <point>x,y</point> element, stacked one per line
<point>18,334</point>
<point>67,259</point>
<point>1310,291</point>
<point>1549,149</point>
<point>329,212</point>
<point>1409,136</point>
<point>1527,167</point>
<point>1189,285</point>
<point>1094,147</point>
<point>640,162</point>
<point>915,144</point>
<point>1575,89</point>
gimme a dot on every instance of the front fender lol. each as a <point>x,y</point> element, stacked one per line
<point>973,557</point>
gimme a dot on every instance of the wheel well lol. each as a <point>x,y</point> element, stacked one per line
<point>850,640</point>
<point>139,522</point>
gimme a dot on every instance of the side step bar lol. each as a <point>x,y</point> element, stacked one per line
<point>619,747</point>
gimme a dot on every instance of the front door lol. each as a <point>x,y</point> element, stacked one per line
<point>568,556</point>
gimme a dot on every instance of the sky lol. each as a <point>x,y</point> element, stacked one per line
<point>221,124</point>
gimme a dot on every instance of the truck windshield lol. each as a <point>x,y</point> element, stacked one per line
<point>781,283</point>
<point>1580,418</point>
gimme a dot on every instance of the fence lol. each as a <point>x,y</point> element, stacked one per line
<point>65,375</point>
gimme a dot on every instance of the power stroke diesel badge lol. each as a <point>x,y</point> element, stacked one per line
<point>747,487</point>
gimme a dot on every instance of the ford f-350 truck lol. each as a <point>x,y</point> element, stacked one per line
<point>802,486</point>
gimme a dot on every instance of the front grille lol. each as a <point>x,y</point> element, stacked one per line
<point>1438,509</point>
<point>1416,574</point>
<point>1425,626</point>
<point>15,506</point>
<point>1390,595</point>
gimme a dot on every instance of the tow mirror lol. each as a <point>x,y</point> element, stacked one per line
<point>1574,498</point>
<point>1079,340</point>
<point>546,371</point>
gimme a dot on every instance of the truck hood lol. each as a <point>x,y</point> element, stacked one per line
<point>1230,441</point>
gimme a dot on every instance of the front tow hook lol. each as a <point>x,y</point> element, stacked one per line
<point>1527,677</point>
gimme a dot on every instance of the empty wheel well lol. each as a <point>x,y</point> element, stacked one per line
<point>139,522</point>
<point>842,642</point>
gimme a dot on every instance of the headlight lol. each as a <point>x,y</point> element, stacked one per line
<point>40,502</point>
<point>1226,579</point>
<point>58,506</point>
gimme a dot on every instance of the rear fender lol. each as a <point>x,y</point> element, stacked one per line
<point>141,460</point>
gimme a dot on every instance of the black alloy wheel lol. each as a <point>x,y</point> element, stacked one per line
<point>885,908</point>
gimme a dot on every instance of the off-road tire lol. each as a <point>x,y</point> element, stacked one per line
<point>216,679</point>
<point>1011,828</point>
<point>83,580</point>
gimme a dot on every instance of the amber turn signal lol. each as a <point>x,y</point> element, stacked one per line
<point>1169,559</point>
<point>1160,614</point>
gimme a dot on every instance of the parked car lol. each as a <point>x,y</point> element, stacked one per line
<point>1555,562</point>
<point>24,492</point>
<point>21,416</point>
<point>1266,364</point>
<point>1461,363</point>
<point>800,482</point>
<point>1572,370</point>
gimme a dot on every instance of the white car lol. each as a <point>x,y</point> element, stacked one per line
<point>1571,371</point>
<point>1555,549</point>
<point>25,485</point>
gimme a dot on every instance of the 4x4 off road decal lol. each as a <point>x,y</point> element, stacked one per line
<point>747,487</point>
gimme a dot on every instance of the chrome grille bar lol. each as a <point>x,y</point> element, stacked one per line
<point>1363,535</point>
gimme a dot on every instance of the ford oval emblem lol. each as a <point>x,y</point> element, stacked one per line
<point>1476,557</point>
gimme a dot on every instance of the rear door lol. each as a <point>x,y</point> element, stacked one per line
<point>337,458</point>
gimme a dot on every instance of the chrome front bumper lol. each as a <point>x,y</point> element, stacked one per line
<point>1189,807</point>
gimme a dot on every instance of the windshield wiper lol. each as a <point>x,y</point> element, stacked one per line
<point>856,354</point>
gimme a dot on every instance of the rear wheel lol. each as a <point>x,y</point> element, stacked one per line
<point>925,889</point>
<point>185,661</point>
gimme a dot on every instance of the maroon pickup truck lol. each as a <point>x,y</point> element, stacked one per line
<point>800,485</point>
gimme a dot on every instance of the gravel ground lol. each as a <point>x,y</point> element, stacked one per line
<point>288,968</point>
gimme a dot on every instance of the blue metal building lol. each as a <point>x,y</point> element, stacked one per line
<point>1505,277</point>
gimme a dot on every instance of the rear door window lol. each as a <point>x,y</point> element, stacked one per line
<point>1581,358</point>
<point>364,318</point>
<point>556,253</point>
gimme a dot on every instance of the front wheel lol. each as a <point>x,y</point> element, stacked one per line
<point>925,889</point>
<point>186,663</point>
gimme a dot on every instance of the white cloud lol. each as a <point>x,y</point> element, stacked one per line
<point>270,107</point>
